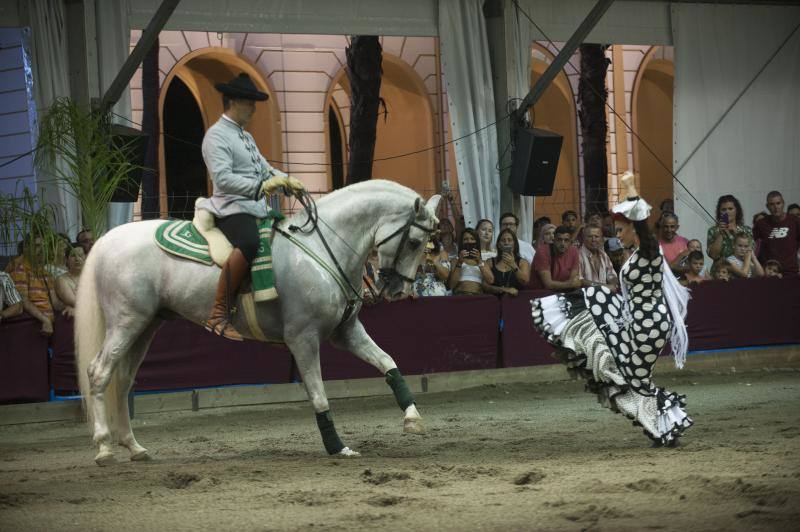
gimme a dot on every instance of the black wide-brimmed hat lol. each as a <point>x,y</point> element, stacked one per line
<point>243,88</point>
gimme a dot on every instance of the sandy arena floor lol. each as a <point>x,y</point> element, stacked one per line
<point>509,457</point>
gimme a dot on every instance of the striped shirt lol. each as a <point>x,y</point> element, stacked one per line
<point>36,288</point>
<point>8,292</point>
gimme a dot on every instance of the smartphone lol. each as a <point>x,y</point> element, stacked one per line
<point>724,217</point>
<point>470,246</point>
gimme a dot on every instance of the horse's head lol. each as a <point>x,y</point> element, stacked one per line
<point>401,246</point>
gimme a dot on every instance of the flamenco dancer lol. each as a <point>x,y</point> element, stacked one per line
<point>613,340</point>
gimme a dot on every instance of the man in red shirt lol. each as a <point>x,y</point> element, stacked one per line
<point>557,267</point>
<point>674,245</point>
<point>779,234</point>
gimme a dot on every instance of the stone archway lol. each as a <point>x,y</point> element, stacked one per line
<point>199,71</point>
<point>555,111</point>
<point>652,120</point>
<point>408,126</point>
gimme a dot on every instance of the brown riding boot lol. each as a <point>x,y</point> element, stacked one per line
<point>233,272</point>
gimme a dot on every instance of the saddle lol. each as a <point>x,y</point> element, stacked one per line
<point>202,241</point>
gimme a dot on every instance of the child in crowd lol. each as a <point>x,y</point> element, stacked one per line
<point>695,273</point>
<point>694,245</point>
<point>772,268</point>
<point>721,270</point>
<point>743,262</point>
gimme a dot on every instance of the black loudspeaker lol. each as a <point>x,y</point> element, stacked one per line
<point>534,162</point>
<point>135,143</point>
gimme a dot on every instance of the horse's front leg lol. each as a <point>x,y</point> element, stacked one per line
<point>356,340</point>
<point>305,348</point>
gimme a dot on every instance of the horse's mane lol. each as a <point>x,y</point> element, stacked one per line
<point>371,187</point>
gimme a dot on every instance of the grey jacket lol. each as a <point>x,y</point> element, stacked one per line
<point>237,170</point>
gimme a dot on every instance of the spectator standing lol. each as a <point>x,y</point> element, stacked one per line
<point>595,266</point>
<point>794,210</point>
<point>447,236</point>
<point>485,230</point>
<point>695,273</point>
<point>509,220</point>
<point>10,300</point>
<point>511,272</point>
<point>569,219</point>
<point>721,271</point>
<point>743,262</point>
<point>773,269</point>
<point>779,234</point>
<point>729,224</point>
<point>608,226</point>
<point>674,246</point>
<point>469,272</point>
<point>557,265</point>
<point>537,229</point>
<point>67,284</point>
<point>547,235</point>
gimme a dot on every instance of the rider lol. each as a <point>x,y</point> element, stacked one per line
<point>240,175</point>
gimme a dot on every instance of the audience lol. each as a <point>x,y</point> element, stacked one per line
<point>469,272</point>
<point>67,284</point>
<point>615,251</point>
<point>34,287</point>
<point>557,265</point>
<point>695,273</point>
<point>596,267</point>
<point>743,262</point>
<point>10,300</point>
<point>729,223</point>
<point>609,231</point>
<point>779,234</point>
<point>773,269</point>
<point>85,240</point>
<point>794,210</point>
<point>537,229</point>
<point>569,219</point>
<point>511,272</point>
<point>721,271</point>
<point>675,246</point>
<point>485,230</point>
<point>447,236</point>
<point>509,220</point>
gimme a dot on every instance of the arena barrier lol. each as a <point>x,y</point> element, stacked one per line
<point>425,335</point>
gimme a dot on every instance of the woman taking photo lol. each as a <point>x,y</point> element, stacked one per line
<point>730,223</point>
<point>469,272</point>
<point>613,340</point>
<point>511,272</point>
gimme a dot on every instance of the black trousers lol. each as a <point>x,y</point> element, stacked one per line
<point>242,232</point>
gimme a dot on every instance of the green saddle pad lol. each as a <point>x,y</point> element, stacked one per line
<point>181,238</point>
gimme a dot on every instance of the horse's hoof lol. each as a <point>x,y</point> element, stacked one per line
<point>347,451</point>
<point>105,459</point>
<point>413,426</point>
<point>141,456</point>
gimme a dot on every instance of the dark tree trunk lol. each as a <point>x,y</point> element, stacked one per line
<point>364,72</point>
<point>592,96</point>
<point>150,127</point>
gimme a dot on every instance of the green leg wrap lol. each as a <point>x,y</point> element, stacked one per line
<point>329,436</point>
<point>401,392</point>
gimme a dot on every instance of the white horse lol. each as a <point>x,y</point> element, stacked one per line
<point>128,285</point>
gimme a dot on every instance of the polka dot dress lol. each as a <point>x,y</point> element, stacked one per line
<point>635,333</point>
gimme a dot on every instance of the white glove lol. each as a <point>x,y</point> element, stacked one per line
<point>295,184</point>
<point>271,185</point>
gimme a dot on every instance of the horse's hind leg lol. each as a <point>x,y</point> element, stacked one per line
<point>305,349</point>
<point>115,348</point>
<point>356,340</point>
<point>126,373</point>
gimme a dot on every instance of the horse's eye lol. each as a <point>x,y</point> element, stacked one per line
<point>414,244</point>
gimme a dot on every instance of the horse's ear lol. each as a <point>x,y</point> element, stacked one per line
<point>432,204</point>
<point>417,204</point>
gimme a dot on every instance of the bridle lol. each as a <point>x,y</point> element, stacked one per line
<point>391,272</point>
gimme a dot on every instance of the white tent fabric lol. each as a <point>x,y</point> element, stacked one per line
<point>113,42</point>
<point>520,36</point>
<point>719,49</point>
<point>51,81</point>
<point>468,77</point>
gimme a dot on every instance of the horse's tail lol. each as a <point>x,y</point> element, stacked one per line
<point>90,333</point>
